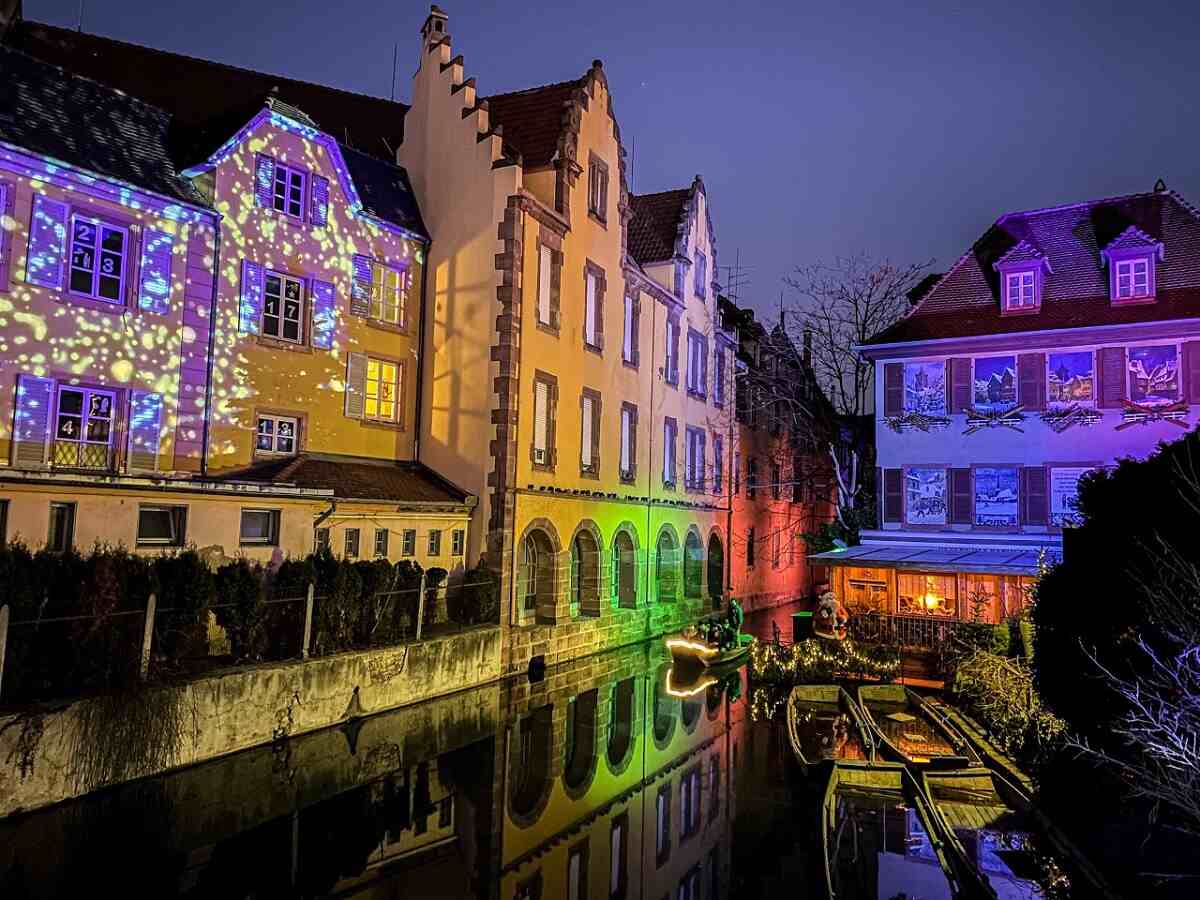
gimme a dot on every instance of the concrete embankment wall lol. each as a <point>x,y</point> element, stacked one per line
<point>55,754</point>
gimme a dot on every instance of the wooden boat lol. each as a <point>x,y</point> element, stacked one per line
<point>691,650</point>
<point>881,840</point>
<point>825,725</point>
<point>910,731</point>
<point>1014,849</point>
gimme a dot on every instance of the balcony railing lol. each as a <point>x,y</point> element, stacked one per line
<point>80,455</point>
<point>904,631</point>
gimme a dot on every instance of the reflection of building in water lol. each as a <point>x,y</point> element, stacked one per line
<point>614,788</point>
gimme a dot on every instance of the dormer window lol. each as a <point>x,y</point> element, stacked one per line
<point>1131,260</point>
<point>1022,270</point>
<point>1020,290</point>
<point>1132,279</point>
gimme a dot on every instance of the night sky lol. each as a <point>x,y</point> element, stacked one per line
<point>819,129</point>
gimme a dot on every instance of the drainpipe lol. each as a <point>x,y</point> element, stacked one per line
<point>421,357</point>
<point>650,453</point>
<point>205,435</point>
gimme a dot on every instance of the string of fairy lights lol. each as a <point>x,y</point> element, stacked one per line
<point>770,662</point>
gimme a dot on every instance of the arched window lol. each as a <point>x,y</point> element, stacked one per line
<point>693,566</point>
<point>664,709</point>
<point>716,570</point>
<point>581,740</point>
<point>666,567</point>
<point>620,723</point>
<point>585,575</point>
<point>531,761</point>
<point>624,571</point>
<point>536,576</point>
<point>689,713</point>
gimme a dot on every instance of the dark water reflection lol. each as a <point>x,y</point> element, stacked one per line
<point>595,783</point>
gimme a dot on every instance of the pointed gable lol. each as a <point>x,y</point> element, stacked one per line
<point>657,225</point>
<point>1132,238</point>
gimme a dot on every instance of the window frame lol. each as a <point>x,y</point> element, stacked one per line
<point>398,388</point>
<point>548,448</point>
<point>697,364</point>
<point>274,520</point>
<point>99,222</point>
<point>700,275</point>
<point>277,419</point>
<point>351,543</point>
<point>695,458</point>
<point>904,504</point>
<point>178,519</point>
<point>598,189</point>
<point>718,479</point>
<point>1132,261</point>
<point>988,406</point>
<point>670,459</point>
<point>1179,373</point>
<point>1021,275</point>
<point>458,542</point>
<point>905,409</point>
<point>1088,404</point>
<point>303,332</point>
<point>379,270</point>
<point>628,437</point>
<point>117,425</point>
<point>70,510</point>
<point>975,524</point>
<point>408,543</point>
<point>948,578</point>
<point>305,189</point>
<point>386,536</point>
<point>433,543</point>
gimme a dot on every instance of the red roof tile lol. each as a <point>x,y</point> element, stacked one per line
<point>656,223</point>
<point>533,119</point>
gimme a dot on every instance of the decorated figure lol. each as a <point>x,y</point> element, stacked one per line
<point>831,617</point>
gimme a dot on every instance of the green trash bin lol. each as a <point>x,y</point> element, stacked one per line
<point>802,626</point>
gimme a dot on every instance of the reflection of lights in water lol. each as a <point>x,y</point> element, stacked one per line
<point>687,689</point>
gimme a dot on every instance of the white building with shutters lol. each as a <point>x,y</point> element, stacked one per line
<point>1063,340</point>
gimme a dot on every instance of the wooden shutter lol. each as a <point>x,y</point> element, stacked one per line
<point>7,199</point>
<point>893,495</point>
<point>961,497</point>
<point>633,441</point>
<point>627,338</point>
<point>719,375</point>
<point>360,288</point>
<point>587,431</point>
<point>356,377</point>
<point>589,309</point>
<point>601,288</point>
<point>1034,503</point>
<point>556,261</point>
<point>318,209</point>
<point>637,325</point>
<point>264,179</point>
<point>704,366</point>
<point>251,303</point>
<point>541,419</point>
<point>1113,377</point>
<point>596,433</point>
<point>625,429</point>
<point>31,425</point>
<point>1191,371</point>
<point>893,389</point>
<point>1031,380</point>
<point>702,440</point>
<point>545,256</point>
<point>324,314</point>
<point>154,290</point>
<point>961,388</point>
<point>145,431</point>
<point>47,242</point>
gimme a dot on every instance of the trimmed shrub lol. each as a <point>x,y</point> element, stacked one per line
<point>238,588</point>
<point>185,585</point>
<point>477,599</point>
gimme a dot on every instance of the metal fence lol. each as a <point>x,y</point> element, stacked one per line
<point>910,632</point>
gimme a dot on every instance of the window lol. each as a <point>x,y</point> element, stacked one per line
<point>435,542</point>
<point>382,390</point>
<point>701,284</point>
<point>1154,374</point>
<point>83,429</point>
<point>662,828</point>
<point>718,463</point>
<point>288,193</point>
<point>351,543</point>
<point>97,265</point>
<point>589,432</point>
<point>382,536</point>
<point>866,589</point>
<point>598,189</point>
<point>161,526</point>
<point>1020,290</point>
<point>1064,495</point>
<point>775,542</point>
<point>577,874</point>
<point>458,542</point>
<point>389,294</point>
<point>689,799</point>
<point>408,542</point>
<point>719,377</point>
<point>693,475</point>
<point>629,347</point>
<point>592,325</point>
<point>321,542</point>
<point>1071,377</point>
<point>628,441</point>
<point>260,527</point>
<point>3,522</point>
<point>549,275</point>
<point>995,383</point>
<point>750,547</point>
<point>617,845</point>
<point>927,595</point>
<point>671,357</point>
<point>625,570</point>
<point>996,495</point>
<point>1133,279</point>
<point>697,364</point>
<point>544,391</point>
<point>277,434</point>
<point>925,388</point>
<point>61,536</point>
<point>776,481</point>
<point>670,432</point>
<point>283,307</point>
<point>925,496</point>
<point>751,477</point>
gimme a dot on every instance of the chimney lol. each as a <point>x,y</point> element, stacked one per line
<point>434,29</point>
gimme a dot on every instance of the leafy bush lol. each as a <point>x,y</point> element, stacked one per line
<point>186,586</point>
<point>238,591</point>
<point>999,692</point>
<point>477,599</point>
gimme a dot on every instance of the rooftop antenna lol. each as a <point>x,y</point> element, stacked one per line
<point>79,24</point>
<point>395,50</point>
<point>632,161</point>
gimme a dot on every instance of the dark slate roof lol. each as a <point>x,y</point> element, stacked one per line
<point>655,224</point>
<point>385,190</point>
<point>533,119</point>
<point>75,120</point>
<point>966,302</point>
<point>210,100</point>
<point>355,479</point>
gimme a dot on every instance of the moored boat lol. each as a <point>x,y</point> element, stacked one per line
<point>825,725</point>
<point>693,650</point>
<point>910,731</point>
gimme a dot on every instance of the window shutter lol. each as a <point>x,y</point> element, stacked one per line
<point>360,288</point>
<point>552,425</point>
<point>250,307</point>
<point>318,213</point>
<point>893,495</point>
<point>585,442</point>
<point>545,256</point>
<point>145,429</point>
<point>1033,501</point>
<point>47,243</point>
<point>961,398</point>
<point>7,200</point>
<point>637,322</point>
<point>556,259</point>
<point>625,429</point>
<point>960,497</point>
<point>264,179</point>
<point>356,376</point>
<point>154,292</point>
<point>627,345</point>
<point>703,454</point>
<point>589,310</point>
<point>1031,380</point>
<point>324,314</point>
<point>31,426</point>
<point>541,417</point>
<point>1191,371</point>
<point>596,433</point>
<point>893,389</point>
<point>601,287</point>
<point>704,366</point>
<point>1112,377</point>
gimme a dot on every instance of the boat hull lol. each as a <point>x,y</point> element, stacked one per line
<point>687,651</point>
<point>931,742</point>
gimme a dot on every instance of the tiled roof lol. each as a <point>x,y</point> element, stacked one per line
<point>355,479</point>
<point>199,93</point>
<point>532,119</point>
<point>54,113</point>
<point>385,190</point>
<point>655,223</point>
<point>966,302</point>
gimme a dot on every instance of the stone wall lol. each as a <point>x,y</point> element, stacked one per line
<point>60,753</point>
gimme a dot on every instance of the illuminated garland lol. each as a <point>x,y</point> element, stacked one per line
<point>804,660</point>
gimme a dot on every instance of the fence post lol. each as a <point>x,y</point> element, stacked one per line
<point>3,641</point>
<point>308,611</point>
<point>147,636</point>
<point>421,607</point>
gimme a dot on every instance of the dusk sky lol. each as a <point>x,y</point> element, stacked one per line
<point>897,129</point>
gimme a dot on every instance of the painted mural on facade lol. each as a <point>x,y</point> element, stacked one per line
<point>995,386</point>
<point>1070,377</point>
<point>925,388</point>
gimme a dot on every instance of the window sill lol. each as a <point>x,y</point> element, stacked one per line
<point>591,472</point>
<point>280,344</point>
<point>545,328</point>
<point>593,348</point>
<point>1133,301</point>
<point>702,396</point>
<point>630,364</point>
<point>69,298</point>
<point>387,426</point>
<point>598,219</point>
<point>258,544</point>
<point>628,477</point>
<point>391,327</point>
<point>668,485</point>
<point>1021,311</point>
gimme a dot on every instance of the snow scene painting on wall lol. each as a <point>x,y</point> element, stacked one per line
<point>925,496</point>
<point>995,383</point>
<point>1154,374</point>
<point>925,388</point>
<point>1064,495</point>
<point>996,497</point>
<point>1070,377</point>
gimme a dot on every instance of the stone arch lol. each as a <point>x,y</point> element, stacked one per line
<point>664,709</point>
<point>666,564</point>
<point>622,735</point>
<point>537,571</point>
<point>579,760</point>
<point>714,575</point>
<point>712,701</point>
<point>587,558</point>
<point>529,766</point>
<point>625,566</point>
<point>689,713</point>
<point>693,564</point>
